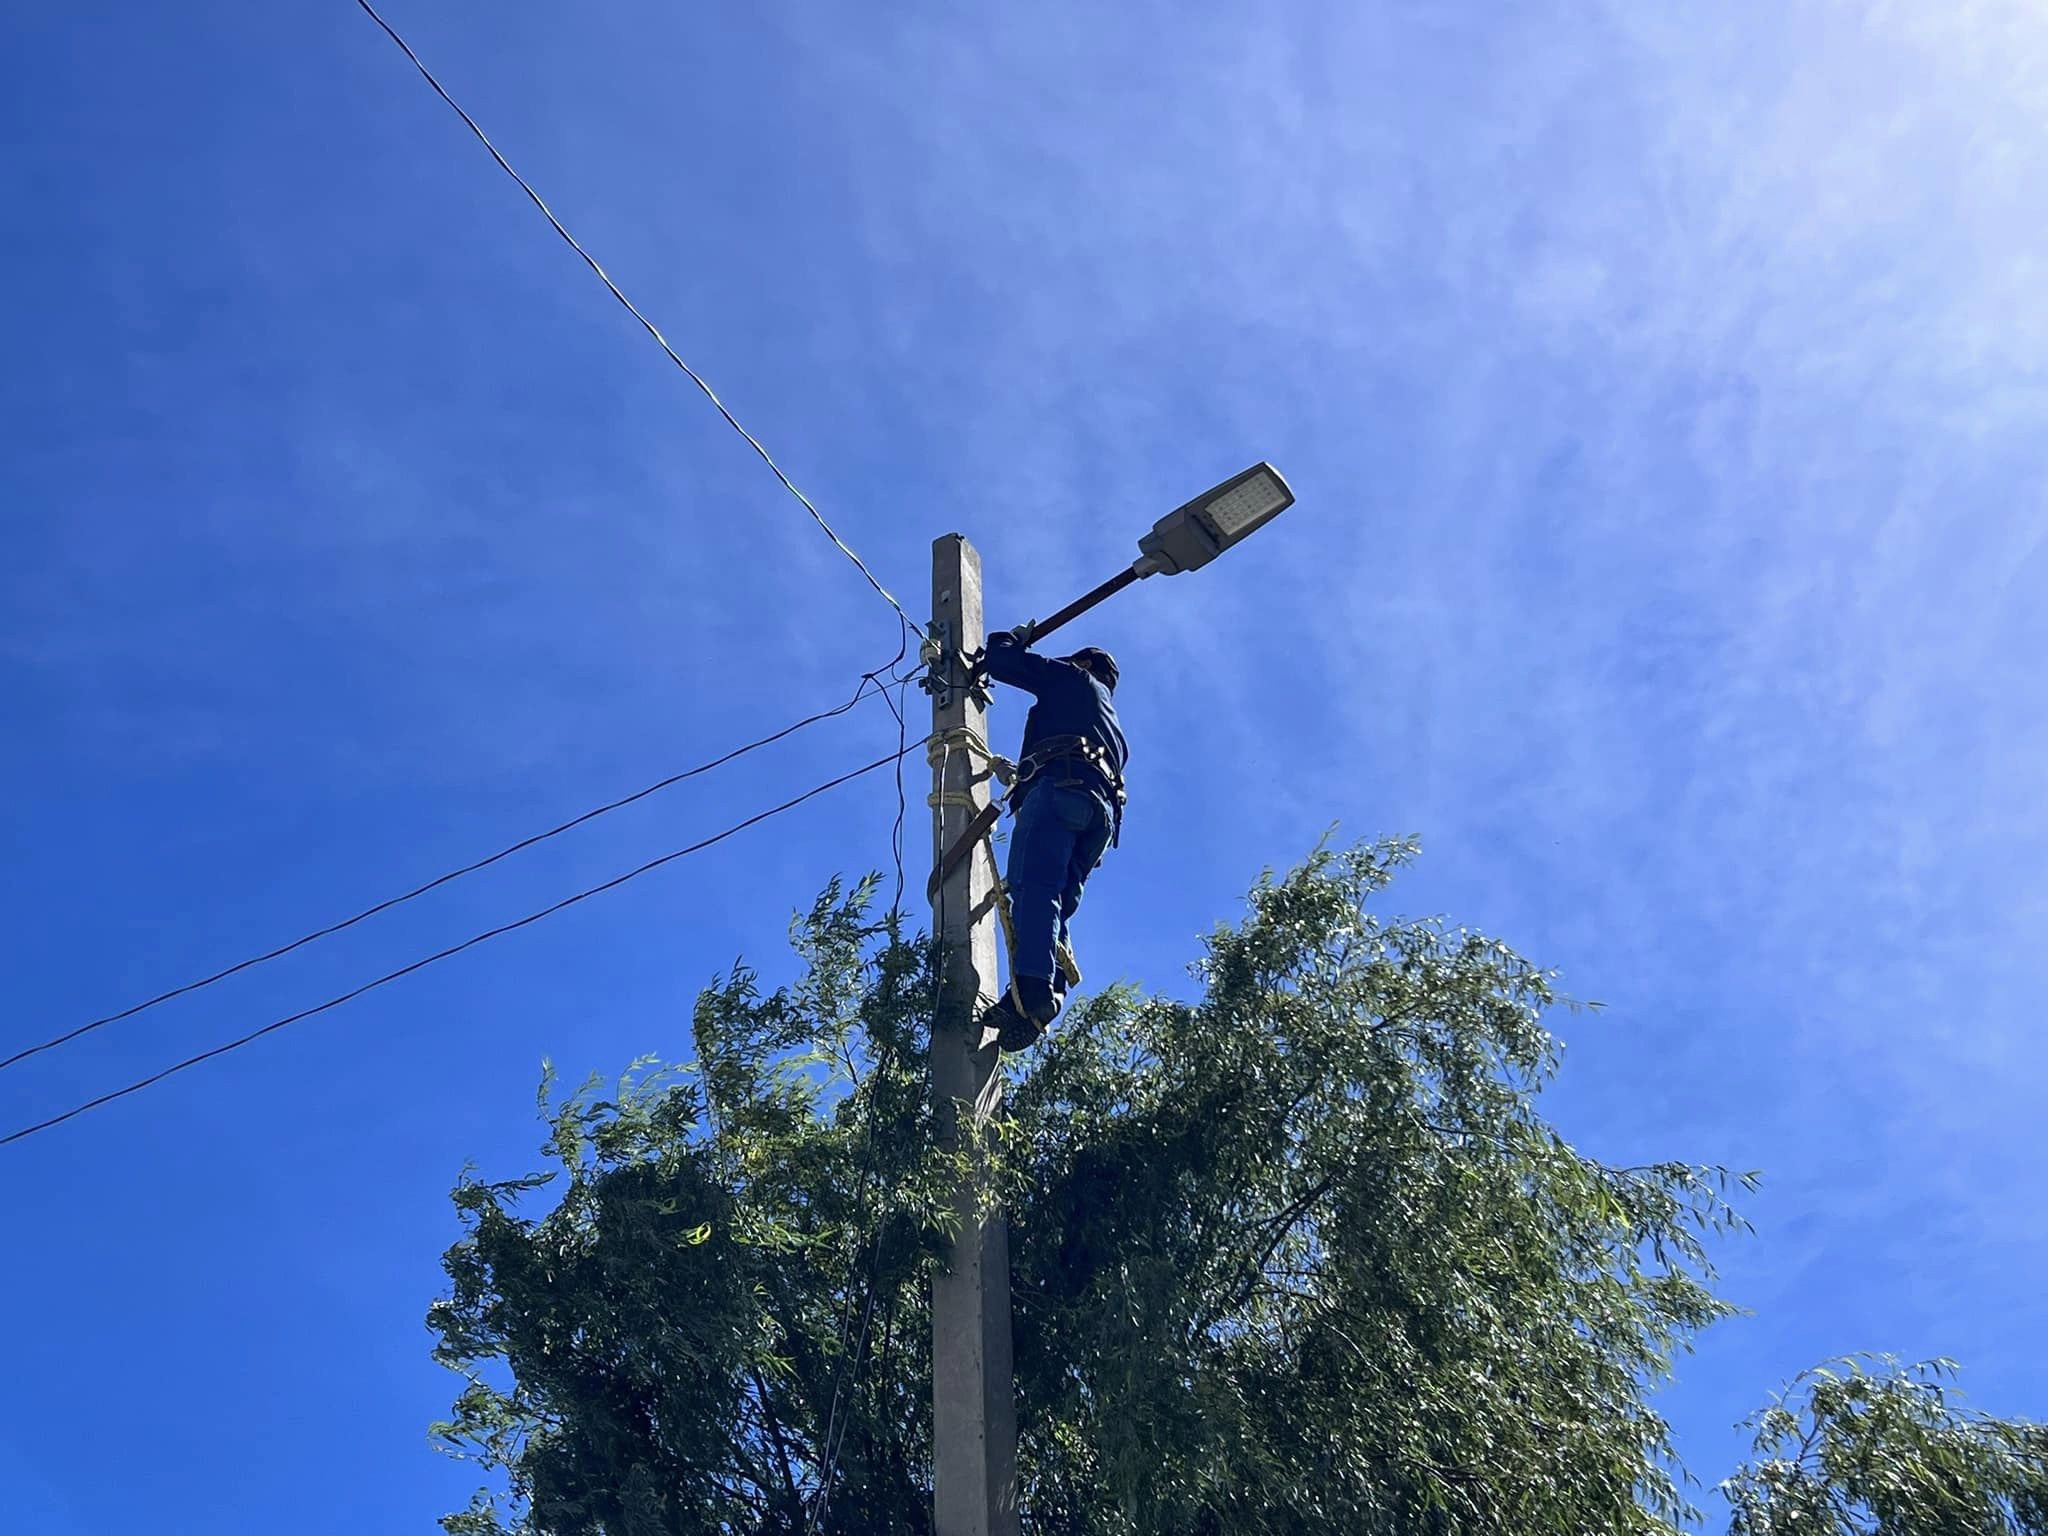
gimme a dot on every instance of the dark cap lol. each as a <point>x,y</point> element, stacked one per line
<point>1098,662</point>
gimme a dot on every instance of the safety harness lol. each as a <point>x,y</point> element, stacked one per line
<point>1082,763</point>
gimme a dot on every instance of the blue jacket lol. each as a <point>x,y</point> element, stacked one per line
<point>1070,701</point>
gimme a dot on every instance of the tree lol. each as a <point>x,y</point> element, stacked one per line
<point>672,1347</point>
<point>1868,1448</point>
<point>1299,1254</point>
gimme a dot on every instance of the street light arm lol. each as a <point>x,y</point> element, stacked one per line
<point>1081,605</point>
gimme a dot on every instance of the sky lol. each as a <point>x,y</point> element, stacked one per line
<point>1663,391</point>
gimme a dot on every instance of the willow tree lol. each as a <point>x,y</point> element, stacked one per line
<point>1295,1253</point>
<point>1868,1447</point>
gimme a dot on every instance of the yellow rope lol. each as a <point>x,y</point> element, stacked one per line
<point>1068,966</point>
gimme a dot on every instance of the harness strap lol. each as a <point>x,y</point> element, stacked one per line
<point>1063,954</point>
<point>978,831</point>
<point>1093,757</point>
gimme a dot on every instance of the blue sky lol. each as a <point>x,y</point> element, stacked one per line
<point>1663,391</point>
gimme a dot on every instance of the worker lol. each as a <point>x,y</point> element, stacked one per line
<point>1068,801</point>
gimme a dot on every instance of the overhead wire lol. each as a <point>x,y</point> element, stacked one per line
<point>633,310</point>
<point>868,680</point>
<point>452,950</point>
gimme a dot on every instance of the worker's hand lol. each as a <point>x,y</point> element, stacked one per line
<point>1025,633</point>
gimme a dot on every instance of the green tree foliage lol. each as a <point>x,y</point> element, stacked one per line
<point>1868,1448</point>
<point>1296,1255</point>
<point>730,1272</point>
<point>1302,1255</point>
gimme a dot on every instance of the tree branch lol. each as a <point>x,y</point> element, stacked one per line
<point>775,1436</point>
<point>1282,1224</point>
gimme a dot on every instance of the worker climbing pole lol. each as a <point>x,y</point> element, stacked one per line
<point>1066,791</point>
<point>1068,799</point>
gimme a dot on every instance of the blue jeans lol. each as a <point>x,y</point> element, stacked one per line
<point>1060,837</point>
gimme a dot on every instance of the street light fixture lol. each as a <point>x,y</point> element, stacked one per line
<point>1190,536</point>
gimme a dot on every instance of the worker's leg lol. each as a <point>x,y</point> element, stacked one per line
<point>1089,846</point>
<point>1042,849</point>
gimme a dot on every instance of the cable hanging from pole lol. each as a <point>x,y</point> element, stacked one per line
<point>648,325</point>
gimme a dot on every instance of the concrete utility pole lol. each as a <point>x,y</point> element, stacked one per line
<point>974,1406</point>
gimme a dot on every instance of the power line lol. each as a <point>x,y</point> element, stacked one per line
<point>452,950</point>
<point>646,324</point>
<point>867,681</point>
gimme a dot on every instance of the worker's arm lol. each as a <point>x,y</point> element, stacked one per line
<point>1011,661</point>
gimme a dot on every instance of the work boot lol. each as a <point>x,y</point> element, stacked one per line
<point>1041,1003</point>
<point>1014,1031</point>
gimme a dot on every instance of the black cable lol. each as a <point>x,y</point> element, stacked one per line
<point>823,1499</point>
<point>646,324</point>
<point>902,803</point>
<point>896,708</point>
<point>456,874</point>
<point>901,686</point>
<point>452,950</point>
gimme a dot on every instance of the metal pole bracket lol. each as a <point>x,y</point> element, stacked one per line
<point>948,671</point>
